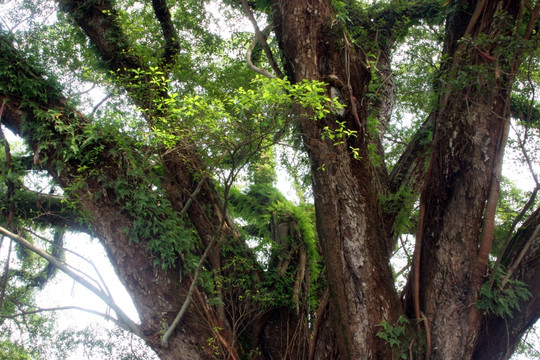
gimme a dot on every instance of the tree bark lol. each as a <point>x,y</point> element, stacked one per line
<point>499,337</point>
<point>155,292</point>
<point>461,188</point>
<point>346,202</point>
<point>354,230</point>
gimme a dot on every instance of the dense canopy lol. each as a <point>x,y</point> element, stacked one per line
<point>256,171</point>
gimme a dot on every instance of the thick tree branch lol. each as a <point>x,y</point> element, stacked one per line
<point>388,22</point>
<point>49,210</point>
<point>172,42</point>
<point>100,22</point>
<point>108,215</point>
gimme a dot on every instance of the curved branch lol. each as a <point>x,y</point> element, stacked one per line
<point>250,63</point>
<point>101,102</point>
<point>261,39</point>
<point>123,319</point>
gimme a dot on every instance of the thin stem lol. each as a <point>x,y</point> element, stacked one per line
<point>198,271</point>
<point>99,104</point>
<point>59,308</point>
<point>101,284</point>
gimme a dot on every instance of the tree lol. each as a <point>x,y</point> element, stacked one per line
<point>156,181</point>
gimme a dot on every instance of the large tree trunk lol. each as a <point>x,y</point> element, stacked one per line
<point>356,234</point>
<point>158,293</point>
<point>461,189</point>
<point>457,207</point>
<point>345,188</point>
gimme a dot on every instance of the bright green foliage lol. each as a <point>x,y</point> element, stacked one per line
<point>257,112</point>
<point>502,301</point>
<point>9,350</point>
<point>393,334</point>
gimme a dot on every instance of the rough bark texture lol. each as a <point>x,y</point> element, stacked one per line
<point>498,336</point>
<point>355,232</point>
<point>344,188</point>
<point>471,128</point>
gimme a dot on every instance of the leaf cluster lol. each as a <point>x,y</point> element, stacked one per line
<point>502,301</point>
<point>394,334</point>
